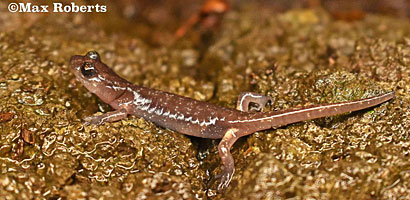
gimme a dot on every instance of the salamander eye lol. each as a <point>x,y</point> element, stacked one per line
<point>93,55</point>
<point>88,70</point>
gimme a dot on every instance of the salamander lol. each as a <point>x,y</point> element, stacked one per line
<point>193,117</point>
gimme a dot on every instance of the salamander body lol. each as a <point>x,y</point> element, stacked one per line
<point>192,117</point>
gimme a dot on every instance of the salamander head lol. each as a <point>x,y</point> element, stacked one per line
<point>97,77</point>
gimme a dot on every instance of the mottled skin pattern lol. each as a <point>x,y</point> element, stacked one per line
<point>192,117</point>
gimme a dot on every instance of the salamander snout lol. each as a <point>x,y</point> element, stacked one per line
<point>75,60</point>
<point>97,77</point>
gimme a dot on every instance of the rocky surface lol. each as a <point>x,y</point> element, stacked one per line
<point>299,57</point>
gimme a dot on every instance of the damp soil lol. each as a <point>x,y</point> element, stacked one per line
<point>298,57</point>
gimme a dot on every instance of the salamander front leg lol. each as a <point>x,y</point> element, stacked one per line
<point>106,117</point>
<point>228,165</point>
<point>250,97</point>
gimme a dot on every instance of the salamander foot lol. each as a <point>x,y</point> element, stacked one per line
<point>250,97</point>
<point>106,117</point>
<point>228,165</point>
<point>225,177</point>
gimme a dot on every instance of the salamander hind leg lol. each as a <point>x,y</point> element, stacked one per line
<point>250,97</point>
<point>228,165</point>
<point>106,117</point>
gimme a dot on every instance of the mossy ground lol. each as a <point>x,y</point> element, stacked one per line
<point>298,57</point>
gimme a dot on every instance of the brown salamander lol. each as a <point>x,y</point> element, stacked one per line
<point>192,117</point>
